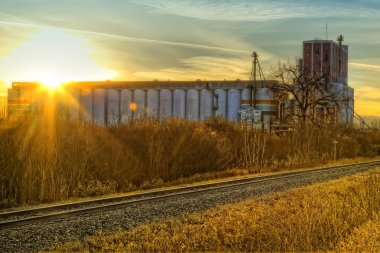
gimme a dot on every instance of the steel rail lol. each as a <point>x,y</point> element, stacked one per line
<point>104,204</point>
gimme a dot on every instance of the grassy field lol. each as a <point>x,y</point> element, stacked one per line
<point>365,238</point>
<point>47,160</point>
<point>340,215</point>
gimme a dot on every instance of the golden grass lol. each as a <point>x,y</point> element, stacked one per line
<point>45,160</point>
<point>313,218</point>
<point>197,179</point>
<point>365,238</point>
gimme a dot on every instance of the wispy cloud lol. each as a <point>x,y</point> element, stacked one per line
<point>368,108</point>
<point>365,66</point>
<point>127,38</point>
<point>367,100</point>
<point>259,10</point>
<point>368,92</point>
<point>202,67</point>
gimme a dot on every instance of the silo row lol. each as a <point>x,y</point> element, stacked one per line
<point>113,106</point>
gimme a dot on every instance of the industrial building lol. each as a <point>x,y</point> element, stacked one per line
<point>120,102</point>
<point>326,58</point>
<point>256,102</point>
<point>329,60</point>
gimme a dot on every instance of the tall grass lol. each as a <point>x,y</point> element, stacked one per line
<point>310,219</point>
<point>44,159</point>
<point>365,238</point>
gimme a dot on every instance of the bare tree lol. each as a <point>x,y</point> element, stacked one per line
<point>310,92</point>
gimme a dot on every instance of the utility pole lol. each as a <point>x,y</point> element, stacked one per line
<point>335,151</point>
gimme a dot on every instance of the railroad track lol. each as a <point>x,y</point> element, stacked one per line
<point>30,216</point>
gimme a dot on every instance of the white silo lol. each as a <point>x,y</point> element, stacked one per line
<point>126,100</point>
<point>265,103</point>
<point>86,102</point>
<point>152,103</point>
<point>165,103</point>
<point>246,94</point>
<point>221,103</point>
<point>233,104</point>
<point>206,104</point>
<point>179,103</point>
<point>113,107</point>
<point>140,100</point>
<point>192,106</point>
<point>99,106</point>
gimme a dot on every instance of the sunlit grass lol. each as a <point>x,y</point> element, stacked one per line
<point>48,157</point>
<point>365,238</point>
<point>308,219</point>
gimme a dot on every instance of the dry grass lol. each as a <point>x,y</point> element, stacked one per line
<point>309,219</point>
<point>46,160</point>
<point>365,238</point>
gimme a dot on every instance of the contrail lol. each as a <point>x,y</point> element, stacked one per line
<point>126,38</point>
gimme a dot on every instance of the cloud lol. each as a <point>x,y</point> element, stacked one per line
<point>127,38</point>
<point>367,101</point>
<point>202,67</point>
<point>365,66</point>
<point>368,93</point>
<point>52,56</point>
<point>367,108</point>
<point>259,10</point>
<point>215,63</point>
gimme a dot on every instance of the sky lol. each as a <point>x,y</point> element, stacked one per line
<point>42,40</point>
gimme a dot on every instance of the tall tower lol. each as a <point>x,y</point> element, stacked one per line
<point>327,59</point>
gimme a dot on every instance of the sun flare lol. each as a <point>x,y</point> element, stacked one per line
<point>53,57</point>
<point>50,82</point>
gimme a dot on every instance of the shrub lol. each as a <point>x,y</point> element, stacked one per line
<point>47,159</point>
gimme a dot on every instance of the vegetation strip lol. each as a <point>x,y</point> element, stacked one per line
<point>79,204</point>
<point>365,238</point>
<point>149,197</point>
<point>75,160</point>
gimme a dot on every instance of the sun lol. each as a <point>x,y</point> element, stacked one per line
<point>52,57</point>
<point>50,82</point>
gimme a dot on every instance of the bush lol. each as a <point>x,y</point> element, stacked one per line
<point>45,159</point>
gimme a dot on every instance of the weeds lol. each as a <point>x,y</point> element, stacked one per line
<point>315,218</point>
<point>44,159</point>
<point>365,238</point>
